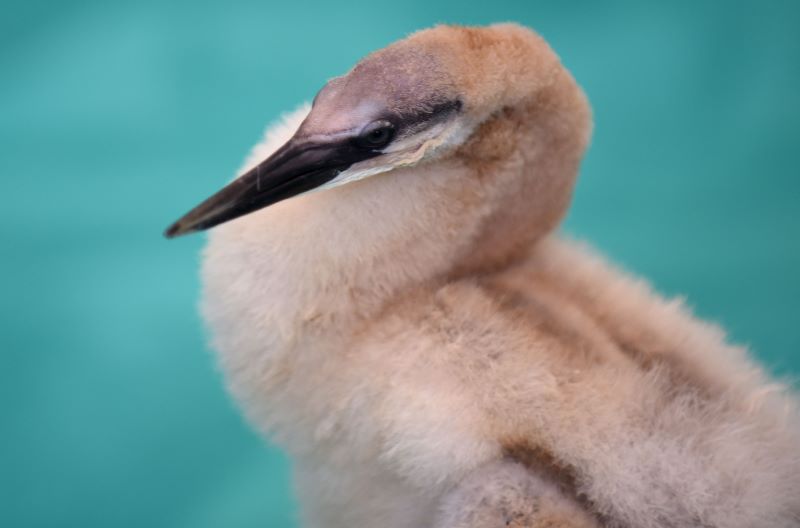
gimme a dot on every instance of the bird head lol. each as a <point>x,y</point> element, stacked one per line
<point>416,101</point>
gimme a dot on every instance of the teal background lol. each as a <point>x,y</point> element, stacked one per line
<point>115,117</point>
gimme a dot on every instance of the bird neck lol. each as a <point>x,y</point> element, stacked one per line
<point>526,157</point>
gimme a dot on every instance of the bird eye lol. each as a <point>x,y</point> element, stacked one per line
<point>375,135</point>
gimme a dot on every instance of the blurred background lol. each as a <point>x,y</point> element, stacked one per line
<point>116,117</point>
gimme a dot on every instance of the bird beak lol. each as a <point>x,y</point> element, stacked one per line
<point>298,166</point>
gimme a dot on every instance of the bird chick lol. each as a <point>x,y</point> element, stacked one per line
<point>432,355</point>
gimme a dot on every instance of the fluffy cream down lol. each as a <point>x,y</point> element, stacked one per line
<point>383,337</point>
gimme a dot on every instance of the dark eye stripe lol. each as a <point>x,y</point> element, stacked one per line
<point>433,113</point>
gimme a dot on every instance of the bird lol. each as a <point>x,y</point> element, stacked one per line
<point>392,302</point>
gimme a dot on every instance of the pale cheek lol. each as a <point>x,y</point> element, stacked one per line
<point>353,174</point>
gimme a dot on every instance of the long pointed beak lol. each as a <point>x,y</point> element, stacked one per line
<point>297,167</point>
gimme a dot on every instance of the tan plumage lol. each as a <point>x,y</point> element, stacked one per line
<point>432,355</point>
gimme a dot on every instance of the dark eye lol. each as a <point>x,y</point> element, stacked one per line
<point>375,135</point>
